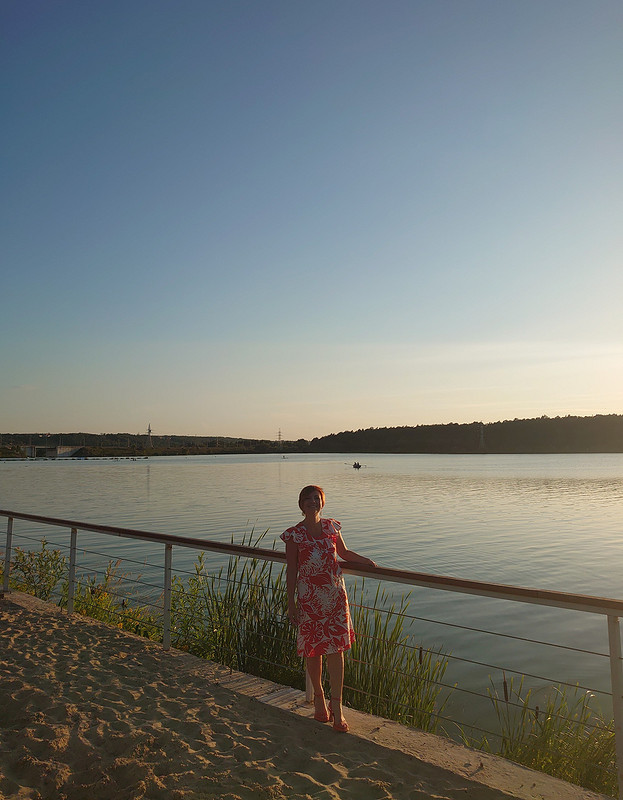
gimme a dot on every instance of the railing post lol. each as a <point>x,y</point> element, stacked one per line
<point>7,554</point>
<point>72,571</point>
<point>616,676</point>
<point>166,632</point>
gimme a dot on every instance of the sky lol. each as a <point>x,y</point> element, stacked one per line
<point>242,218</point>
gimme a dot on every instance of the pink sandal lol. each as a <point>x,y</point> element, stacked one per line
<point>321,716</point>
<point>340,727</point>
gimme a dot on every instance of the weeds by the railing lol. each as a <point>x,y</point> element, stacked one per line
<point>562,736</point>
<point>38,572</point>
<point>103,600</point>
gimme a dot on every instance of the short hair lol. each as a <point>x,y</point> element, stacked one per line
<point>307,490</point>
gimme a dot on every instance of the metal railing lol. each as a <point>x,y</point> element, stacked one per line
<point>611,609</point>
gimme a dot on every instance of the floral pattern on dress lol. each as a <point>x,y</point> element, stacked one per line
<point>324,617</point>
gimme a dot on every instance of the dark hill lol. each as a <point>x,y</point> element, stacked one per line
<point>598,434</point>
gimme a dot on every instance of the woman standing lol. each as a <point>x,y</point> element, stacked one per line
<point>314,579</point>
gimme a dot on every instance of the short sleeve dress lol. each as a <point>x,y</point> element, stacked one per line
<point>324,617</point>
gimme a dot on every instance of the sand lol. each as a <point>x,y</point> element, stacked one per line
<point>89,711</point>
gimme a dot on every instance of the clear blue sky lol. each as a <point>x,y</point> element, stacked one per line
<point>240,217</point>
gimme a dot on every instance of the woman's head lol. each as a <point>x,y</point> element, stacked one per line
<point>309,491</point>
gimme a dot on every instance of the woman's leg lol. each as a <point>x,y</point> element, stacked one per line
<point>335,666</point>
<point>314,668</point>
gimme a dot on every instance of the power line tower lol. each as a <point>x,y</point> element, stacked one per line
<point>280,439</point>
<point>149,442</point>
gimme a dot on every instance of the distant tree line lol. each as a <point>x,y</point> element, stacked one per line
<point>127,444</point>
<point>598,434</point>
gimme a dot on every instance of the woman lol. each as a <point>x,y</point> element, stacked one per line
<point>321,613</point>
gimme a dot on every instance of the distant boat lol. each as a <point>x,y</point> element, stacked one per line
<point>356,465</point>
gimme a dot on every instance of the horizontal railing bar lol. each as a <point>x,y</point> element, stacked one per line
<point>499,591</point>
<point>542,597</point>
<point>482,630</point>
<point>151,536</point>
<point>496,667</point>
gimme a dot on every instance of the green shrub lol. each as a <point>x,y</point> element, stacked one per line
<point>37,572</point>
<point>103,599</point>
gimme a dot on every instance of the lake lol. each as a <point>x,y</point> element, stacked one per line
<point>543,521</point>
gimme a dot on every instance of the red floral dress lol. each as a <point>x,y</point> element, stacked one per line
<point>324,618</point>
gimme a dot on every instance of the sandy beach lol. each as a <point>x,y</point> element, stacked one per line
<point>91,711</point>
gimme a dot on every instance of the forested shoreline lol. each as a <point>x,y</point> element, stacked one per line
<point>597,434</point>
<point>602,433</point>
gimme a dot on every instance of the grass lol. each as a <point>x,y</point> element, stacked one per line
<point>236,617</point>
<point>563,736</point>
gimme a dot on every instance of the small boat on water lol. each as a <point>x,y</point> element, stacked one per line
<point>356,465</point>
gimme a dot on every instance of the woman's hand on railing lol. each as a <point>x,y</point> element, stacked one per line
<point>359,560</point>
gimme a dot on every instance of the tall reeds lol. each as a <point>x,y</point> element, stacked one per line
<point>563,736</point>
<point>385,673</point>
<point>235,617</point>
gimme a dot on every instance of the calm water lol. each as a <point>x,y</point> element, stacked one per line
<point>544,521</point>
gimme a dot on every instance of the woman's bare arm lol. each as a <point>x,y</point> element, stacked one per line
<point>350,555</point>
<point>292,568</point>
